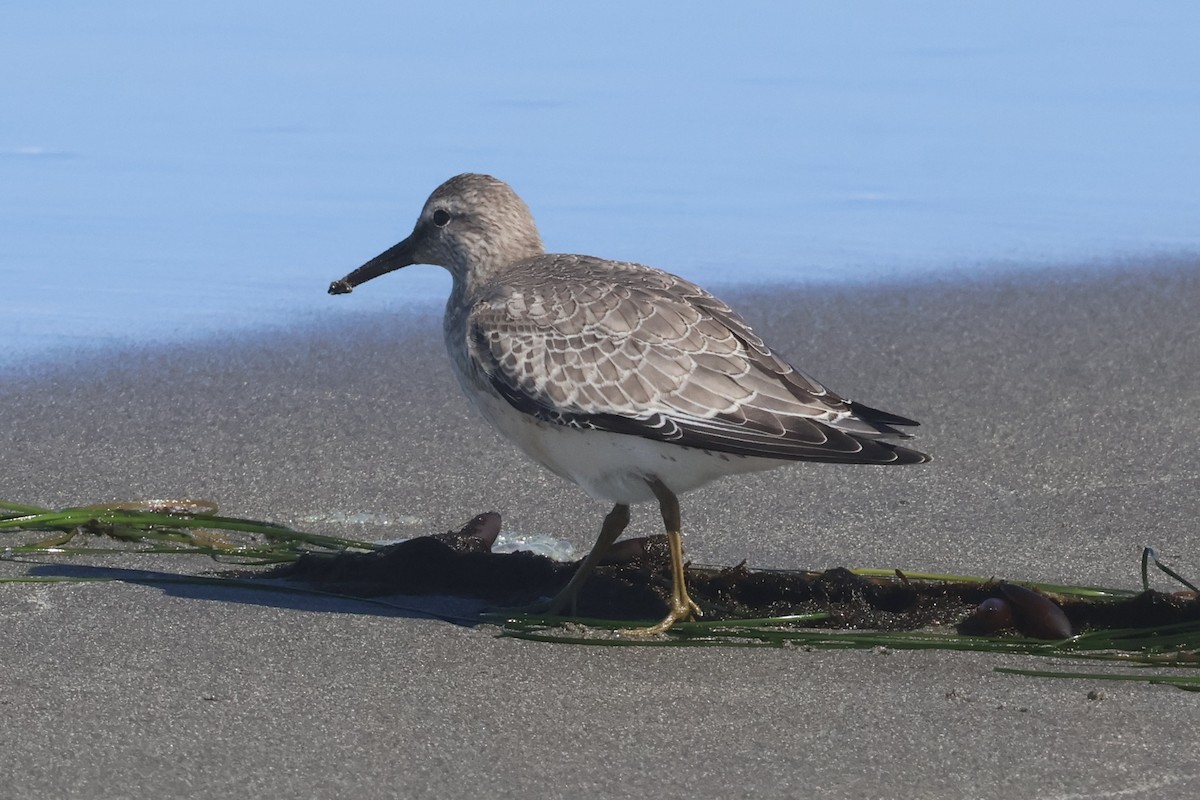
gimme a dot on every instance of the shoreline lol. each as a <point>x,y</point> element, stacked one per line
<point>36,364</point>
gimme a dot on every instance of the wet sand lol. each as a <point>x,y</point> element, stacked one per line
<point>1062,410</point>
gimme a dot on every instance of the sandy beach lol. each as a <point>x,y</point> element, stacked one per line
<point>1062,409</point>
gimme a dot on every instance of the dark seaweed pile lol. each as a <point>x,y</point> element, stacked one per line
<point>635,580</point>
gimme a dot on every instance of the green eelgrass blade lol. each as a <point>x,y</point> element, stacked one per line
<point>20,509</point>
<point>244,555</point>
<point>1053,588</point>
<point>937,577</point>
<point>163,532</point>
<point>1175,645</point>
<point>1148,555</point>
<point>1187,682</point>
<point>534,620</point>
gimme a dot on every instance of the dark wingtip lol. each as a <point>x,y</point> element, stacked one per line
<point>877,452</point>
<point>877,417</point>
<point>341,287</point>
<point>908,456</point>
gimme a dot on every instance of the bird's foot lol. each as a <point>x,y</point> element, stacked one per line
<point>683,609</point>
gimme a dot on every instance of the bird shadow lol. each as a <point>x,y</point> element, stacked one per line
<point>257,590</point>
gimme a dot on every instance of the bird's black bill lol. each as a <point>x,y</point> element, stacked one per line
<point>395,257</point>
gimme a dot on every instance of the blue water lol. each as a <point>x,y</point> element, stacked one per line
<point>169,170</point>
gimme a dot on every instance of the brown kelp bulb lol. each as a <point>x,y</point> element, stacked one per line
<point>477,536</point>
<point>1034,614</point>
<point>992,615</point>
<point>485,526</point>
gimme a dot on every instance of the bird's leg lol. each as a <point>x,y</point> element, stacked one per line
<point>680,606</point>
<point>614,524</point>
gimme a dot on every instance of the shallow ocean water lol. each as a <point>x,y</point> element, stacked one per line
<point>168,171</point>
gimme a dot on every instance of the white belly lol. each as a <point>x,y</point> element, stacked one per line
<point>612,466</point>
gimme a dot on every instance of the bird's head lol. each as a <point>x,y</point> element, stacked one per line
<point>471,224</point>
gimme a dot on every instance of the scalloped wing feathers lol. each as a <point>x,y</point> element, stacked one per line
<point>646,353</point>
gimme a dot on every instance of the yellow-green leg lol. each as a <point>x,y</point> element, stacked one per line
<point>680,606</point>
<point>614,525</point>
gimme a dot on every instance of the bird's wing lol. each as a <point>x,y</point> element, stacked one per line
<point>630,349</point>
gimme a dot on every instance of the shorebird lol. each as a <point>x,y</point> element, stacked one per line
<point>631,382</point>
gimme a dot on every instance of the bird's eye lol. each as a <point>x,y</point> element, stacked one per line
<point>441,217</point>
